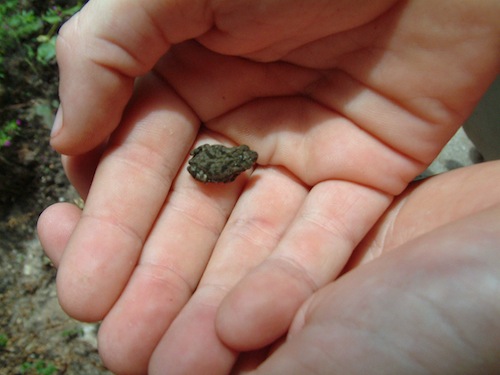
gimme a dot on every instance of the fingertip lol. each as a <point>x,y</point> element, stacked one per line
<point>93,95</point>
<point>249,321</point>
<point>98,64</point>
<point>89,120</point>
<point>96,266</point>
<point>75,301</point>
<point>54,227</point>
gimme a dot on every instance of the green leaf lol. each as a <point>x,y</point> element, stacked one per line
<point>52,19</point>
<point>46,52</point>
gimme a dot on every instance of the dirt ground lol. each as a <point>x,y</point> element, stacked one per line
<point>36,336</point>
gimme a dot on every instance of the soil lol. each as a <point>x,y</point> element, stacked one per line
<point>36,336</point>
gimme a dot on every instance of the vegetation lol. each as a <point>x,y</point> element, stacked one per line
<point>7,131</point>
<point>34,33</point>
<point>28,88</point>
<point>39,367</point>
<point>27,39</point>
<point>3,340</point>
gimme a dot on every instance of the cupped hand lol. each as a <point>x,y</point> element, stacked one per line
<point>427,305</point>
<point>345,104</point>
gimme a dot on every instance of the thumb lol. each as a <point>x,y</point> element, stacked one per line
<point>100,52</point>
<point>429,306</point>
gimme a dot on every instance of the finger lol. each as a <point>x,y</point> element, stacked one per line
<point>435,198</point>
<point>129,187</point>
<point>190,345</point>
<point>333,219</point>
<point>269,32</point>
<point>170,267</point>
<point>428,204</point>
<point>100,52</point>
<point>255,226</point>
<point>429,307</point>
<point>108,43</point>
<point>55,225</point>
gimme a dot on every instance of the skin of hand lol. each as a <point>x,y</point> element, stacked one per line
<point>343,114</point>
<point>424,299</point>
<point>427,306</point>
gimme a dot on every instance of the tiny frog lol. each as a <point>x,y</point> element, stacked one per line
<point>218,163</point>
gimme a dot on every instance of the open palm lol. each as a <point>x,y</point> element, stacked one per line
<point>343,113</point>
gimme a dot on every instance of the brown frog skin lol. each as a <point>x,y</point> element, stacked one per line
<point>218,163</point>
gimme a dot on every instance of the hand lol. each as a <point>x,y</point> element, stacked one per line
<point>428,304</point>
<point>343,115</point>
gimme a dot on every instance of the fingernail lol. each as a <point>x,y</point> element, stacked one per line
<point>58,122</point>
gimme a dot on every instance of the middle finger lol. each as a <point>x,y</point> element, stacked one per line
<point>257,223</point>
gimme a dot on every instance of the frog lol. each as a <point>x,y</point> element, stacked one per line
<point>217,163</point>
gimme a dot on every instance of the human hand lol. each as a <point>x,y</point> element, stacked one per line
<point>428,303</point>
<point>338,136</point>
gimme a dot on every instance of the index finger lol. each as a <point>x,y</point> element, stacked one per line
<point>100,52</point>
